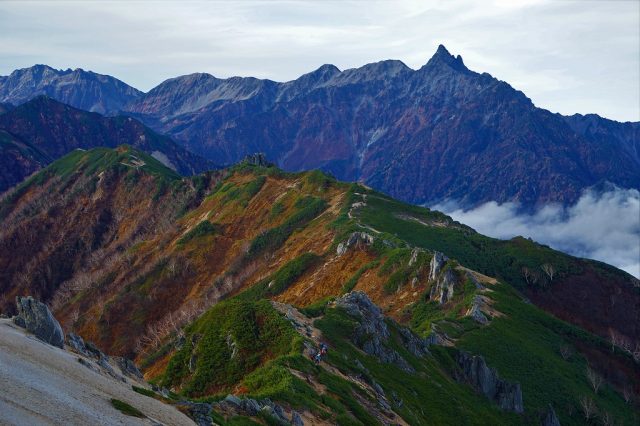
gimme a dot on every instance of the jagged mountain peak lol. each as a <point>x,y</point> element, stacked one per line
<point>443,57</point>
<point>82,89</point>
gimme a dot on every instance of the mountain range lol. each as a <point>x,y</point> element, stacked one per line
<point>442,132</point>
<point>223,286</point>
<point>36,133</point>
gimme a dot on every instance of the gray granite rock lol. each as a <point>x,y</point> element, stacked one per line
<point>36,317</point>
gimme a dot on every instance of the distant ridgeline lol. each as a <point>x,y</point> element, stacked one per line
<point>442,132</point>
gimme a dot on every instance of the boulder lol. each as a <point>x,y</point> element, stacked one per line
<point>475,371</point>
<point>94,351</point>
<point>36,317</point>
<point>127,367</point>
<point>437,262</point>
<point>355,240</point>
<point>76,343</point>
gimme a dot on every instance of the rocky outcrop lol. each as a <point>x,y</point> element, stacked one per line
<point>372,333</point>
<point>355,240</point>
<point>127,367</point>
<point>90,350</point>
<point>474,370</point>
<point>475,311</point>
<point>200,412</point>
<point>550,418</point>
<point>258,159</point>
<point>443,290</point>
<point>437,262</point>
<point>414,255</point>
<point>232,405</point>
<point>471,277</point>
<point>414,344</point>
<point>36,317</point>
<point>76,343</point>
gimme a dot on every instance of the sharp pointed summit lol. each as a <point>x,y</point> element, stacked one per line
<point>442,56</point>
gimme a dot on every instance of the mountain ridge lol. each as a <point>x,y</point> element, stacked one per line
<point>175,271</point>
<point>438,133</point>
<point>42,130</point>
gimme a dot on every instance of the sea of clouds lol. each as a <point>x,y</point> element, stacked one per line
<point>601,225</point>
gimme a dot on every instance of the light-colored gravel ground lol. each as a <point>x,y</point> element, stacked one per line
<point>44,385</point>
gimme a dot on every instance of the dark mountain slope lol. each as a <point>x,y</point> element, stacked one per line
<point>42,130</point>
<point>4,107</point>
<point>81,89</point>
<point>440,132</point>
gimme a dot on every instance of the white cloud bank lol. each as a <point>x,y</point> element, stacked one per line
<point>602,226</point>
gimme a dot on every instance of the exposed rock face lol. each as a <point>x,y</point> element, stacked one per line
<point>414,256</point>
<point>88,349</point>
<point>372,334</point>
<point>127,367</point>
<point>257,159</point>
<point>474,280</point>
<point>417,346</point>
<point>200,412</point>
<point>77,344</point>
<point>355,240</point>
<point>475,311</point>
<point>38,319</point>
<point>79,88</point>
<point>443,290</point>
<point>437,262</point>
<point>475,371</point>
<point>232,405</point>
<point>550,418</point>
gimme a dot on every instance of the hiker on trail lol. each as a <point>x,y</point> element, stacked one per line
<point>318,358</point>
<point>323,349</point>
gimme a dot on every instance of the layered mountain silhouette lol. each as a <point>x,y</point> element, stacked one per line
<point>424,136</point>
<point>42,130</point>
<point>81,89</point>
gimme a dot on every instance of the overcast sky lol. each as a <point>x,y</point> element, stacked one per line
<point>568,56</point>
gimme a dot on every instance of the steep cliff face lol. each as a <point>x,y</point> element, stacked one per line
<point>82,89</point>
<point>439,132</point>
<point>42,130</point>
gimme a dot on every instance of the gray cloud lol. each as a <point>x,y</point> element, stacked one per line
<point>568,56</point>
<point>602,226</point>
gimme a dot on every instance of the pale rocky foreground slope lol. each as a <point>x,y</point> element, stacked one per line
<point>45,385</point>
